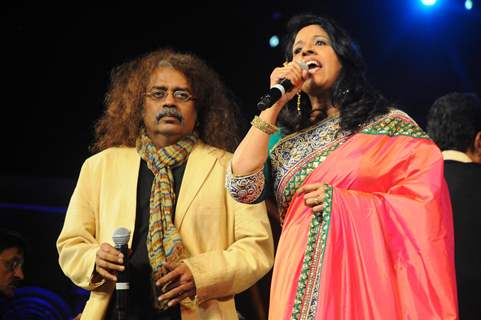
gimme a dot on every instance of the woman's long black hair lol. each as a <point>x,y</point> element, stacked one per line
<point>357,100</point>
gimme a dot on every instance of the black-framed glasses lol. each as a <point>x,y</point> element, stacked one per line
<point>12,264</point>
<point>180,95</point>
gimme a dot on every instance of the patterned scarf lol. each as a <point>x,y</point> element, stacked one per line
<point>163,240</point>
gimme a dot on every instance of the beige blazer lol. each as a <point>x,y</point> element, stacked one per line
<point>230,244</point>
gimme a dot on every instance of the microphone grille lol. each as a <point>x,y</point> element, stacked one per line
<point>121,236</point>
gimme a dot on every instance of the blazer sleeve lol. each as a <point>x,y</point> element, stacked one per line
<point>249,257</point>
<point>76,244</point>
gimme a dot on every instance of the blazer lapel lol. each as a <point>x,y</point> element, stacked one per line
<point>129,170</point>
<point>199,165</point>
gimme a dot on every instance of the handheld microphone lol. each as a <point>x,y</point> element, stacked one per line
<point>277,91</point>
<point>121,238</point>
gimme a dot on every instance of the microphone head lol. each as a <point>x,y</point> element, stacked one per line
<point>121,236</point>
<point>302,64</point>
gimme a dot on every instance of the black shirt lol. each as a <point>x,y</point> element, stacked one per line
<point>141,294</point>
<point>464,182</point>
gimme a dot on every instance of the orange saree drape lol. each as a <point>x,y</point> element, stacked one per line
<point>382,248</point>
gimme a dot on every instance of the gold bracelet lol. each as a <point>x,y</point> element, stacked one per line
<point>263,125</point>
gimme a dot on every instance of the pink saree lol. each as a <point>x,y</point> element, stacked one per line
<point>383,247</point>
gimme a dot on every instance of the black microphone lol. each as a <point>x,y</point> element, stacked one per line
<point>277,91</point>
<point>121,238</point>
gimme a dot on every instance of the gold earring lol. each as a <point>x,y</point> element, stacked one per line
<point>299,103</point>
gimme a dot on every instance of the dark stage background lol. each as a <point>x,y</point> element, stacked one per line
<point>56,61</point>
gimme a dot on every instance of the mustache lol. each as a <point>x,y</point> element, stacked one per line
<point>169,112</point>
<point>15,283</point>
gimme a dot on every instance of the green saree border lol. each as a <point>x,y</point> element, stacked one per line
<point>396,124</point>
<point>307,286</point>
<point>298,178</point>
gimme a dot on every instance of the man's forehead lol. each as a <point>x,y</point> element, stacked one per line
<point>11,252</point>
<point>168,77</point>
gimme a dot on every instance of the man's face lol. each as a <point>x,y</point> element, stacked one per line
<point>11,261</point>
<point>169,111</point>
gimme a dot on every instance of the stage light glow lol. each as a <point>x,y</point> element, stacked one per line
<point>274,41</point>
<point>428,2</point>
<point>468,4</point>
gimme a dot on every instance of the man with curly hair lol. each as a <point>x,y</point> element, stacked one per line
<point>162,148</point>
<point>454,123</point>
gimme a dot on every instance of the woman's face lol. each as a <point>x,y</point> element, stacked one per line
<point>313,46</point>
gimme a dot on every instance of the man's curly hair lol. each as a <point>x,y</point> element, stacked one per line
<point>217,109</point>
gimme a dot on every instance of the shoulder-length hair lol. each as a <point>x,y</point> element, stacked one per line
<point>356,99</point>
<point>217,109</point>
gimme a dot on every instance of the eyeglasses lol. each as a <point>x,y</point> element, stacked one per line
<point>13,264</point>
<point>180,95</point>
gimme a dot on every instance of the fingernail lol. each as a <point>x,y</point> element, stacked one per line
<point>161,298</point>
<point>170,304</point>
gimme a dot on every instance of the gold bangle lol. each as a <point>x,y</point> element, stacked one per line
<point>263,125</point>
